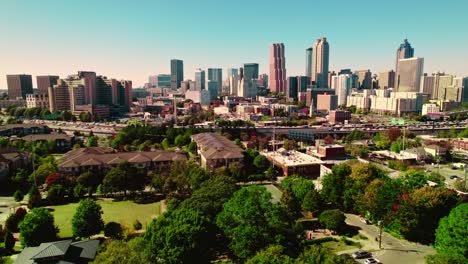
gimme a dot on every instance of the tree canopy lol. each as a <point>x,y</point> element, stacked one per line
<point>87,219</point>
<point>37,227</point>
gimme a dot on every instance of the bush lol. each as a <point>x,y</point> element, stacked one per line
<point>56,194</point>
<point>137,225</point>
<point>9,241</point>
<point>21,213</point>
<point>18,196</point>
<point>79,191</point>
<point>320,240</point>
<point>11,223</point>
<point>113,230</point>
<point>333,220</point>
<point>35,198</point>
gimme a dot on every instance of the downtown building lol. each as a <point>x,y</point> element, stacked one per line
<point>342,84</point>
<point>404,51</point>
<point>177,73</point>
<point>247,86</point>
<point>199,80</point>
<point>19,85</point>
<point>364,78</point>
<point>408,76</point>
<point>277,68</point>
<point>320,63</point>
<point>44,82</point>
<point>215,76</point>
<point>386,79</point>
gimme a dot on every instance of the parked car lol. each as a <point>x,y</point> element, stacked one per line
<point>361,254</point>
<point>455,177</point>
<point>372,261</point>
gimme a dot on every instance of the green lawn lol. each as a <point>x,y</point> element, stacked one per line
<point>275,192</point>
<point>123,212</point>
<point>337,246</point>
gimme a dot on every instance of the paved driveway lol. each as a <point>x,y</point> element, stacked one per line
<point>394,250</point>
<point>6,207</point>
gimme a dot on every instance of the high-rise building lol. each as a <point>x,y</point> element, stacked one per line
<point>216,75</point>
<point>309,59</point>
<point>263,80</point>
<point>250,71</point>
<point>44,82</point>
<point>59,96</point>
<point>233,84</point>
<point>177,73</point>
<point>199,80</point>
<point>19,85</point>
<point>277,68</point>
<point>302,83</point>
<point>232,72</point>
<point>330,76</point>
<point>342,85</point>
<point>408,76</point>
<point>103,91</point>
<point>213,89</point>
<point>386,79</point>
<point>364,79</point>
<point>405,51</point>
<point>327,102</point>
<point>427,85</point>
<point>90,86</point>
<point>320,61</point>
<point>292,88</point>
<point>153,80</point>
<point>247,88</point>
<point>164,80</point>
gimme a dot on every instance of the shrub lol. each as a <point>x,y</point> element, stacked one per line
<point>21,213</point>
<point>18,196</point>
<point>137,225</point>
<point>113,230</point>
<point>56,194</point>
<point>11,223</point>
<point>9,241</point>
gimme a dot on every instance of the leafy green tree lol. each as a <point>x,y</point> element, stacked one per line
<point>92,142</point>
<point>290,204</point>
<point>42,172</point>
<point>379,197</point>
<point>261,163</point>
<point>271,255</point>
<point>56,194</point>
<point>165,144</point>
<point>451,235</point>
<point>113,230</point>
<point>192,147</point>
<point>89,180</point>
<point>87,219</point>
<point>299,186</point>
<point>37,227</point>
<point>179,236</point>
<point>322,255</point>
<point>18,196</point>
<point>312,202</point>
<point>251,221</point>
<point>35,198</point>
<point>119,252</point>
<point>333,184</point>
<point>9,241</point>
<point>11,223</point>
<point>333,220</point>
<point>123,178</point>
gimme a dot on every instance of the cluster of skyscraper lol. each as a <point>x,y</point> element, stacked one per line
<point>80,92</point>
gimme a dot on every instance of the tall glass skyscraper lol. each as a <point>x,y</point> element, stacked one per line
<point>216,75</point>
<point>250,71</point>
<point>309,56</point>
<point>177,73</point>
<point>405,51</point>
<point>320,62</point>
<point>199,80</point>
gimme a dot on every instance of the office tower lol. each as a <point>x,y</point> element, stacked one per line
<point>241,73</point>
<point>464,84</point>
<point>213,89</point>
<point>115,87</point>
<point>345,71</point>
<point>103,91</point>
<point>216,75</point>
<point>199,80</point>
<point>233,84</point>
<point>292,88</point>
<point>309,59</point>
<point>232,72</point>
<point>405,51</point>
<point>408,76</point>
<point>76,90</point>
<point>153,80</point>
<point>250,71</point>
<point>19,85</point>
<point>277,68</point>
<point>302,83</point>
<point>59,96</point>
<point>435,91</point>
<point>320,61</point>
<point>185,85</point>
<point>386,79</point>
<point>44,82</point>
<point>364,79</point>
<point>177,73</point>
<point>427,85</point>
<point>164,80</point>
<point>128,95</point>
<point>263,80</point>
<point>330,76</point>
<point>342,85</point>
<point>90,86</point>
<point>327,102</point>
<point>247,88</point>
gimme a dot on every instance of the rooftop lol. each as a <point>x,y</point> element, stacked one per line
<point>292,158</point>
<point>216,146</point>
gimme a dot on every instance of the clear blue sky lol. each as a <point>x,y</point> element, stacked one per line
<point>133,39</point>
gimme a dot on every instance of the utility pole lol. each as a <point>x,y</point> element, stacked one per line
<point>380,234</point>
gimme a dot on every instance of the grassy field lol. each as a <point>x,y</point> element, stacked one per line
<point>123,212</point>
<point>337,246</point>
<point>275,192</point>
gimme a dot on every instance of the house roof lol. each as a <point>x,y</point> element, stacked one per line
<point>53,136</point>
<point>216,146</point>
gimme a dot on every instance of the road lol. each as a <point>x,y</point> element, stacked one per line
<point>394,250</point>
<point>446,171</point>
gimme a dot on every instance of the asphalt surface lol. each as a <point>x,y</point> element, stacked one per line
<point>393,250</point>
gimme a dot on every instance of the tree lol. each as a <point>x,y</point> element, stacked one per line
<point>18,196</point>
<point>299,186</point>
<point>113,230</point>
<point>124,177</point>
<point>333,220</point>
<point>56,194</point>
<point>251,221</point>
<point>261,163</point>
<point>117,251</point>
<point>165,144</point>
<point>11,223</point>
<point>87,219</point>
<point>92,142</point>
<point>89,180</point>
<point>452,233</point>
<point>9,241</point>
<point>37,227</point>
<point>290,204</point>
<point>55,178</point>
<point>379,197</point>
<point>322,255</point>
<point>35,198</point>
<point>41,173</point>
<point>192,147</point>
<point>312,202</point>
<point>179,236</point>
<point>271,255</point>
<point>333,184</point>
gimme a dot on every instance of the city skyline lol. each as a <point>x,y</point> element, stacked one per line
<point>134,54</point>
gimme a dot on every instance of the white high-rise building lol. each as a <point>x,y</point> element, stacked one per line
<point>342,85</point>
<point>408,77</point>
<point>199,80</point>
<point>320,61</point>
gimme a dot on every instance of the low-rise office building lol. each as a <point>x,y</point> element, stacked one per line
<point>295,162</point>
